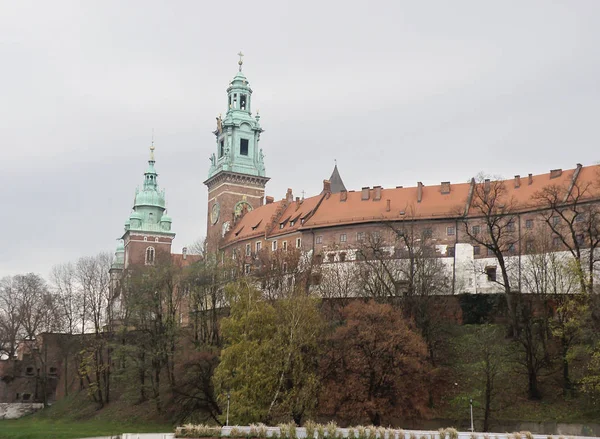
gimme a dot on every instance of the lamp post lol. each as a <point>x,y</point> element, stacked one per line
<point>228,398</point>
<point>471,405</point>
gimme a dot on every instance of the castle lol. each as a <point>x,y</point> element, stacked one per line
<point>331,227</point>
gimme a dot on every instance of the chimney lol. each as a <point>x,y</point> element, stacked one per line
<point>530,179</point>
<point>289,196</point>
<point>377,195</point>
<point>298,200</point>
<point>445,187</point>
<point>554,173</point>
<point>486,185</point>
<point>517,181</point>
<point>419,191</point>
<point>326,186</point>
<point>269,199</point>
<point>388,205</point>
<point>184,253</point>
<point>343,195</point>
<point>365,193</point>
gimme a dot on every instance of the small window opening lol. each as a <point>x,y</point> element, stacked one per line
<point>52,371</point>
<point>242,102</point>
<point>319,239</point>
<point>248,249</point>
<point>343,237</point>
<point>243,146</point>
<point>29,371</point>
<point>285,245</point>
<point>222,148</point>
<point>26,396</point>
<point>150,255</point>
<point>476,250</point>
<point>331,257</point>
<point>450,251</point>
<point>298,242</point>
<point>490,273</point>
<point>343,257</point>
<point>529,224</point>
<point>450,231</point>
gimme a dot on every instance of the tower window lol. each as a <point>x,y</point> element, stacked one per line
<point>242,102</point>
<point>243,146</point>
<point>222,148</point>
<point>150,256</point>
<point>235,100</point>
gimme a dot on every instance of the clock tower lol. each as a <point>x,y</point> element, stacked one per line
<point>236,178</point>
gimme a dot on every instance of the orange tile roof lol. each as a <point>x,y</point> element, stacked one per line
<point>253,223</point>
<point>327,210</point>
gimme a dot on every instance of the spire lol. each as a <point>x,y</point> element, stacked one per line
<point>150,181</point>
<point>337,185</point>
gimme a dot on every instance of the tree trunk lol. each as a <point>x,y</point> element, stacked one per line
<point>565,364</point>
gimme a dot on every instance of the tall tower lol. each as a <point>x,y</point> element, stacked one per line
<point>236,178</point>
<point>148,234</point>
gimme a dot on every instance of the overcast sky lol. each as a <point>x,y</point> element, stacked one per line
<point>397,92</point>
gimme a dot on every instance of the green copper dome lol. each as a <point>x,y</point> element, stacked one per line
<point>119,255</point>
<point>152,198</point>
<point>149,206</point>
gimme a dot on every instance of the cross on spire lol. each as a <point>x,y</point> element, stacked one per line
<point>152,147</point>
<point>240,62</point>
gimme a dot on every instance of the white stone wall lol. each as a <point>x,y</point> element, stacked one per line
<point>18,409</point>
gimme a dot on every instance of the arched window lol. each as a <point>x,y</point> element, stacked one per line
<point>150,256</point>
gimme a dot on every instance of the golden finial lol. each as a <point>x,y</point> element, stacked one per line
<point>240,62</point>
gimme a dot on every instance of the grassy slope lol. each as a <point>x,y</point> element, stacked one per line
<point>75,417</point>
<point>511,403</point>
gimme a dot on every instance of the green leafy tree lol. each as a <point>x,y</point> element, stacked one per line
<point>268,365</point>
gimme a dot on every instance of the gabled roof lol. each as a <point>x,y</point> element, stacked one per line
<point>421,202</point>
<point>253,223</point>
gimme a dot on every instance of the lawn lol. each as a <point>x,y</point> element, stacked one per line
<point>31,427</point>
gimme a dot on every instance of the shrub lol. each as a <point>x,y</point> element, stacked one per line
<point>391,433</point>
<point>320,431</point>
<point>527,434</point>
<point>197,431</point>
<point>310,427</point>
<point>442,433</point>
<point>331,430</point>
<point>236,433</point>
<point>351,433</point>
<point>516,435</point>
<point>413,436</point>
<point>452,433</point>
<point>362,432</point>
<point>473,436</point>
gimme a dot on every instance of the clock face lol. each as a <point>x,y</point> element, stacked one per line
<point>241,207</point>
<point>214,213</point>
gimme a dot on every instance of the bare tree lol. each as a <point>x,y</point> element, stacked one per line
<point>10,316</point>
<point>575,221</point>
<point>490,221</point>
